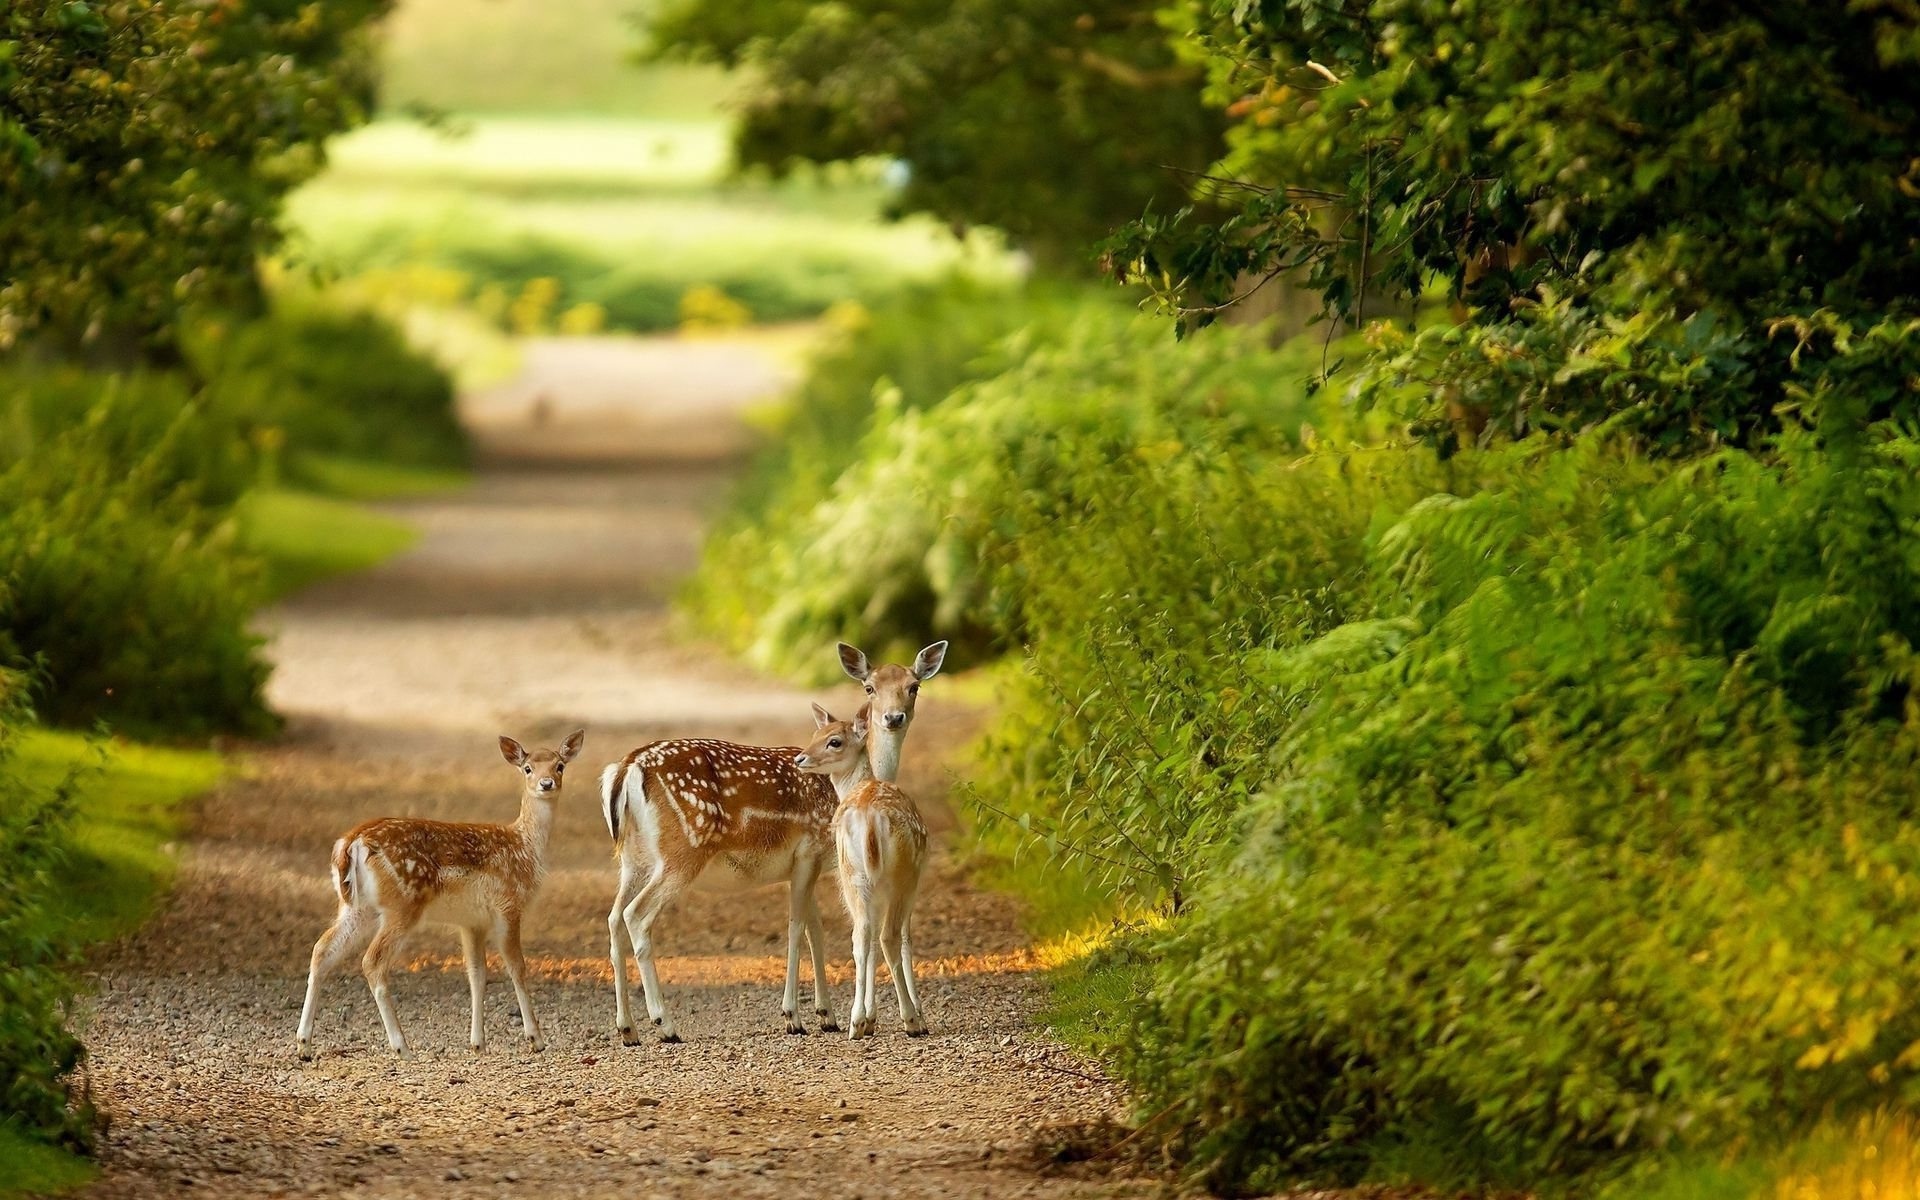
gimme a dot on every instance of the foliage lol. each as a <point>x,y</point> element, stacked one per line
<point>894,530</point>
<point>1050,120</point>
<point>134,421</point>
<point>127,588</point>
<point>1601,190</point>
<point>705,308</point>
<point>127,598</point>
<point>1580,807</point>
<point>37,1052</point>
<point>86,826</point>
<point>331,380</point>
<point>144,149</point>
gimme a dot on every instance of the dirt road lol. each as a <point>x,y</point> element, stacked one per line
<point>536,602</point>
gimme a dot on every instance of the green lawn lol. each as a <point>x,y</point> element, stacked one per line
<point>30,1168</point>
<point>534,56</point>
<point>130,803</point>
<point>627,213</point>
<point>306,537</point>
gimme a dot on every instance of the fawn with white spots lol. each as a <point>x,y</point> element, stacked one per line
<point>881,844</point>
<point>396,873</point>
<point>725,816</point>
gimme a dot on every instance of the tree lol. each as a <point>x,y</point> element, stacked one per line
<point>1670,212</point>
<point>1054,120</point>
<point>145,147</point>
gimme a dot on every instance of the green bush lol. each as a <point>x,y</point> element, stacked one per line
<point>37,1053</point>
<point>134,421</point>
<point>1580,797</point>
<point>884,508</point>
<point>122,593</point>
<point>333,381</point>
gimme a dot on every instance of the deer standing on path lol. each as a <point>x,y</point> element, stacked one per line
<point>395,873</point>
<point>881,844</point>
<point>729,816</point>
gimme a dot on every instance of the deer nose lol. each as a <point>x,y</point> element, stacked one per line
<point>894,720</point>
<point>547,785</point>
<point>803,762</point>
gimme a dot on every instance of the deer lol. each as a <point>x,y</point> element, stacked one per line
<point>393,874</point>
<point>880,844</point>
<point>730,816</point>
<point>892,690</point>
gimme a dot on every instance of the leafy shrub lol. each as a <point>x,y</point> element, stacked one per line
<point>126,596</point>
<point>133,420</point>
<point>334,381</point>
<point>1584,825</point>
<point>890,512</point>
<point>704,308</point>
<point>37,1053</point>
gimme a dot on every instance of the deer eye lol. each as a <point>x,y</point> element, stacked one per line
<point>528,770</point>
<point>559,767</point>
<point>869,689</point>
<point>913,689</point>
<point>833,743</point>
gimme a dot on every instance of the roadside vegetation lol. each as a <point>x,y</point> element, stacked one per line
<point>181,432</point>
<point>1472,743</point>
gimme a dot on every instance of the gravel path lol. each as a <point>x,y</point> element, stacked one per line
<point>537,602</point>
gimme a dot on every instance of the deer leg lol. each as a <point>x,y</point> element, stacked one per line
<point>894,944</point>
<point>641,913</point>
<point>868,936</point>
<point>375,965</point>
<point>817,946</point>
<point>916,1024</point>
<point>473,947</point>
<point>617,950</point>
<point>799,895</point>
<point>516,964</point>
<point>341,939</point>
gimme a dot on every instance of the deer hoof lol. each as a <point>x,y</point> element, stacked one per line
<point>629,1036</point>
<point>829,1025</point>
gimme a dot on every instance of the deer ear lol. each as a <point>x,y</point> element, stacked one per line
<point>513,751</point>
<point>927,665</point>
<point>860,722</point>
<point>572,745</point>
<point>854,662</point>
<point>821,717</point>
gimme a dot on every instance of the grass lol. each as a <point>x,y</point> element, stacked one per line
<point>534,56</point>
<point>129,806</point>
<point>626,213</point>
<point>30,1168</point>
<point>359,479</point>
<point>306,537</point>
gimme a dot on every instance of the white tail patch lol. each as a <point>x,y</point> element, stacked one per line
<point>342,869</point>
<point>613,805</point>
<point>363,886</point>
